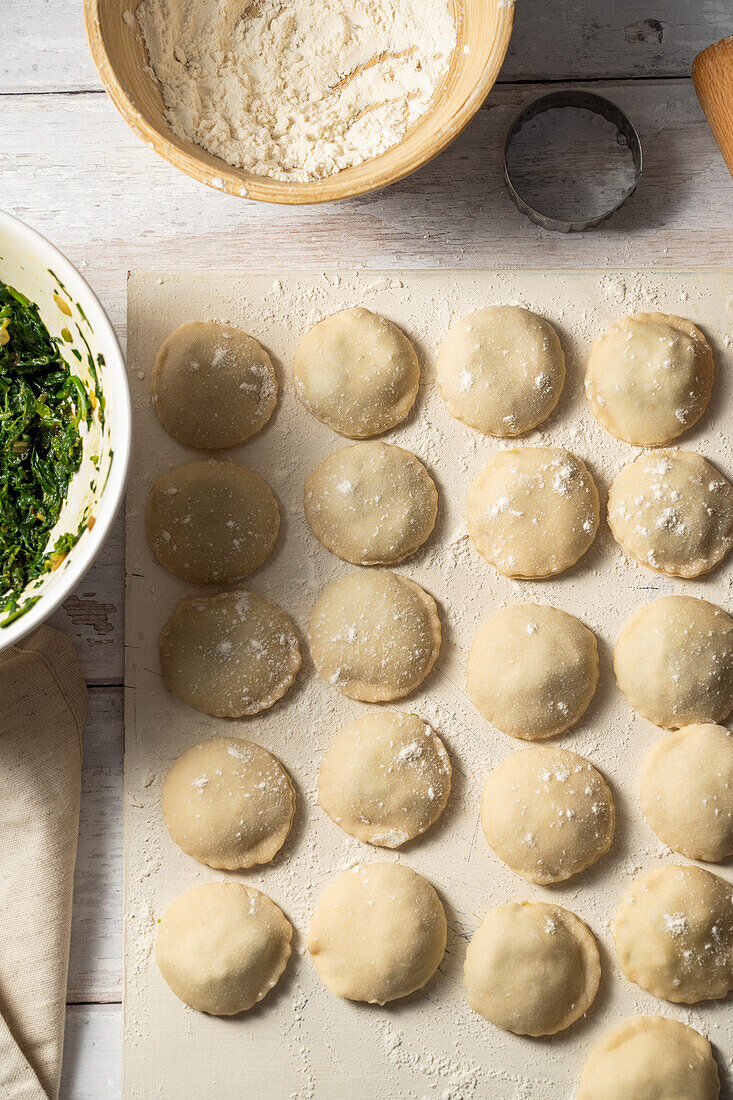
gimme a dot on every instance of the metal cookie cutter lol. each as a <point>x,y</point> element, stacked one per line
<point>597,105</point>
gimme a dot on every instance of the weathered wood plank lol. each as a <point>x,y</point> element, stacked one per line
<point>92,1053</point>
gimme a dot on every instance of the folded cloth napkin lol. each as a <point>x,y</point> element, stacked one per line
<point>43,702</point>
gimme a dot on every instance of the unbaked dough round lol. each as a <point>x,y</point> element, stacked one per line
<point>686,791</point>
<point>532,968</point>
<point>357,373</point>
<point>547,813</point>
<point>374,635</point>
<point>674,934</point>
<point>651,1058</point>
<point>211,522</point>
<point>385,779</point>
<point>372,504</point>
<point>533,511</point>
<point>229,803</point>
<point>229,655</point>
<point>213,386</point>
<point>378,933</point>
<point>649,378</point>
<point>501,370</point>
<point>674,662</point>
<point>222,947</point>
<point>672,511</point>
<point>532,670</point>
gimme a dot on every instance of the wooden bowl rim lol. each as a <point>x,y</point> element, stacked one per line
<point>344,185</point>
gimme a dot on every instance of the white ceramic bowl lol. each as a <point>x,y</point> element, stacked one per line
<point>70,309</point>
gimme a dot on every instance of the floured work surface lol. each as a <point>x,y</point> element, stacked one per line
<point>301,1041</point>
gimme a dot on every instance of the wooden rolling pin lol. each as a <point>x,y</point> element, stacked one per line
<point>712,75</point>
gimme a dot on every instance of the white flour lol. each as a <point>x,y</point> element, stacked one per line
<point>297,89</point>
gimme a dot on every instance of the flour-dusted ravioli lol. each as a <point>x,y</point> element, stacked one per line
<point>501,369</point>
<point>213,386</point>
<point>211,522</point>
<point>357,372</point>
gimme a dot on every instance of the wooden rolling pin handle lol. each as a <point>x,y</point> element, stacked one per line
<point>712,75</point>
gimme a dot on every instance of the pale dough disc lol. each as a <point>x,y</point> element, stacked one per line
<point>649,378</point>
<point>532,670</point>
<point>532,968</point>
<point>547,813</point>
<point>213,386</point>
<point>229,803</point>
<point>357,373</point>
<point>501,370</point>
<point>674,662</point>
<point>374,635</point>
<point>229,655</point>
<point>372,504</point>
<point>211,522</point>
<point>651,1058</point>
<point>533,511</point>
<point>385,779</point>
<point>378,933</point>
<point>674,934</point>
<point>222,947</point>
<point>672,511</point>
<point>686,791</point>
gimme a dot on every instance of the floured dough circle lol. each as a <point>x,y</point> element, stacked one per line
<point>674,934</point>
<point>229,655</point>
<point>357,373</point>
<point>374,635</point>
<point>501,370</point>
<point>686,791</point>
<point>222,947</point>
<point>229,803</point>
<point>674,662</point>
<point>213,386</point>
<point>651,1058</point>
<point>378,933</point>
<point>371,504</point>
<point>533,511</point>
<point>532,968</point>
<point>547,813</point>
<point>532,670</point>
<point>385,779</point>
<point>211,522</point>
<point>649,378</point>
<point>672,511</point>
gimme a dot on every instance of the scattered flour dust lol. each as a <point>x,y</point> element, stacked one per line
<point>297,89</point>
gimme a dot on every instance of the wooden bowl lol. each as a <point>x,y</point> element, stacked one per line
<point>483,30</point>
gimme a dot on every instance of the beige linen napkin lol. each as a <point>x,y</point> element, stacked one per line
<point>43,702</point>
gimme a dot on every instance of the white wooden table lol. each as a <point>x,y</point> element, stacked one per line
<point>71,168</point>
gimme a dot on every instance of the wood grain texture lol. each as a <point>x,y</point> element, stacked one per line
<point>92,1053</point>
<point>712,75</point>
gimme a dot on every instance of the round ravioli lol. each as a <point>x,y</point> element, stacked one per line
<point>651,1058</point>
<point>674,934</point>
<point>374,635</point>
<point>532,670</point>
<point>672,511</point>
<point>213,386</point>
<point>532,968</point>
<point>533,511</point>
<point>378,933</point>
<point>211,522</point>
<point>649,378</point>
<point>229,655</point>
<point>357,373</point>
<point>501,370</point>
<point>371,504</point>
<point>229,803</point>
<point>674,662</point>
<point>547,813</point>
<point>385,779</point>
<point>686,791</point>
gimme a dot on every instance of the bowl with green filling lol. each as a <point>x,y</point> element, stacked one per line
<point>64,428</point>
